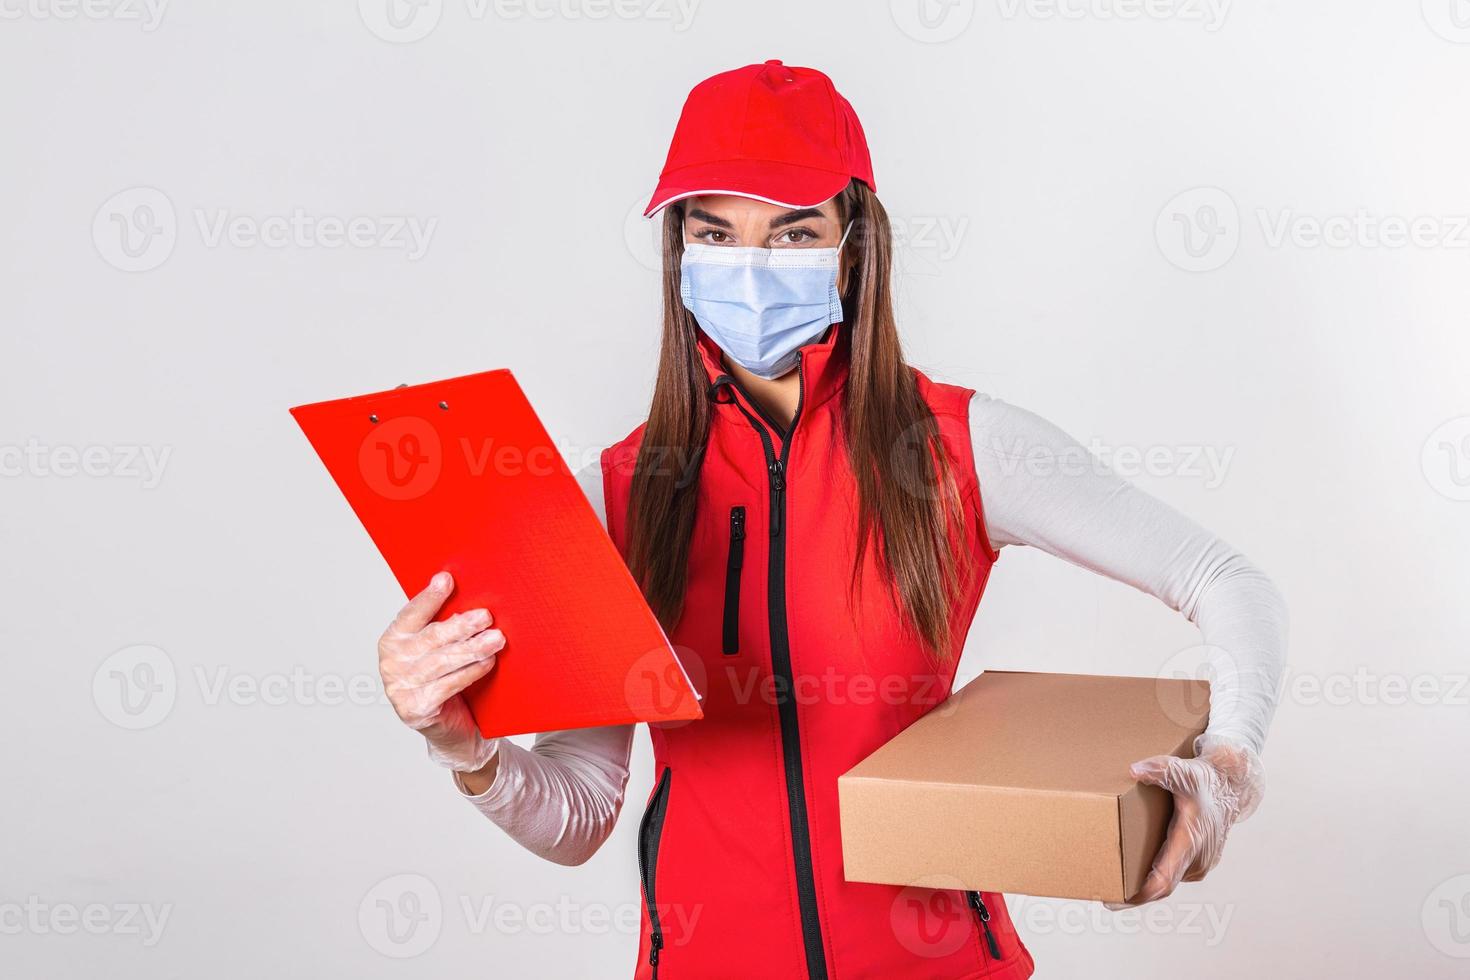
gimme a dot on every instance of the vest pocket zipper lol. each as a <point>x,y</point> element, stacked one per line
<point>983,914</point>
<point>650,831</point>
<point>731,640</point>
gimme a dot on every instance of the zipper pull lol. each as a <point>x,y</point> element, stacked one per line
<point>978,905</point>
<point>778,490</point>
<point>655,943</point>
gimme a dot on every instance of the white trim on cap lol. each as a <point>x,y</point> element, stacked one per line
<point>754,197</point>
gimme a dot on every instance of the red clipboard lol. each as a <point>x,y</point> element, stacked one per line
<point>460,475</point>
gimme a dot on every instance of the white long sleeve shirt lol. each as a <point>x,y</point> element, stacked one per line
<point>1039,487</point>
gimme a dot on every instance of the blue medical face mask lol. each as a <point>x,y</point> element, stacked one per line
<point>760,305</point>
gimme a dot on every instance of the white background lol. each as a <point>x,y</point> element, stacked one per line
<point>1033,158</point>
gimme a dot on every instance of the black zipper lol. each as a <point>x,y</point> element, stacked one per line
<point>983,914</point>
<point>733,564</point>
<point>801,843</point>
<point>650,831</point>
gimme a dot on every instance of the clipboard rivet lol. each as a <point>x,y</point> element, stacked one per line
<point>373,419</point>
<point>444,405</point>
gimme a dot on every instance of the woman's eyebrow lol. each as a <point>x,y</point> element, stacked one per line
<point>791,217</point>
<point>709,219</point>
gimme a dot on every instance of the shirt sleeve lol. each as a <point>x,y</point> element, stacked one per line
<point>1042,488</point>
<point>560,798</point>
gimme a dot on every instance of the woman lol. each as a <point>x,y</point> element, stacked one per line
<point>812,519</point>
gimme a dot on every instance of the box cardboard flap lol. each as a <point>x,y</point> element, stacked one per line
<point>1039,732</point>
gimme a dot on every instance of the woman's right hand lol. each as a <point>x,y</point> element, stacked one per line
<point>426,666</point>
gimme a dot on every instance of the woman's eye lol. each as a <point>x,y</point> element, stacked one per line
<point>797,236</point>
<point>713,235</point>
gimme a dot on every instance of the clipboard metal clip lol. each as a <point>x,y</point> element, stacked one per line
<point>373,418</point>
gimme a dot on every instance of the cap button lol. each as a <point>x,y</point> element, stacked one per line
<point>774,61</point>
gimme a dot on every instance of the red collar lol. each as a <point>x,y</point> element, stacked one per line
<point>823,364</point>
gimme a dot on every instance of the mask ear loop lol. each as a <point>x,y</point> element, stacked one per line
<point>834,302</point>
<point>845,232</point>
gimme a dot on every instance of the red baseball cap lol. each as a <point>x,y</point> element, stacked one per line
<point>770,132</point>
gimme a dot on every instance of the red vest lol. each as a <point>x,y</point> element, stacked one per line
<point>739,849</point>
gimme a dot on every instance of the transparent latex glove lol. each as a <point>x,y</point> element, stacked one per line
<point>426,666</point>
<point>1221,785</point>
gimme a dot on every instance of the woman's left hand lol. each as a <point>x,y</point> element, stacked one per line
<point>1221,785</point>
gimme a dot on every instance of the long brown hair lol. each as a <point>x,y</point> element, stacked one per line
<point>908,503</point>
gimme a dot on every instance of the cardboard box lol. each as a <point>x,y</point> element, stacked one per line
<point>1019,783</point>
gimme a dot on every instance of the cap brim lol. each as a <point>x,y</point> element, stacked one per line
<point>785,184</point>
